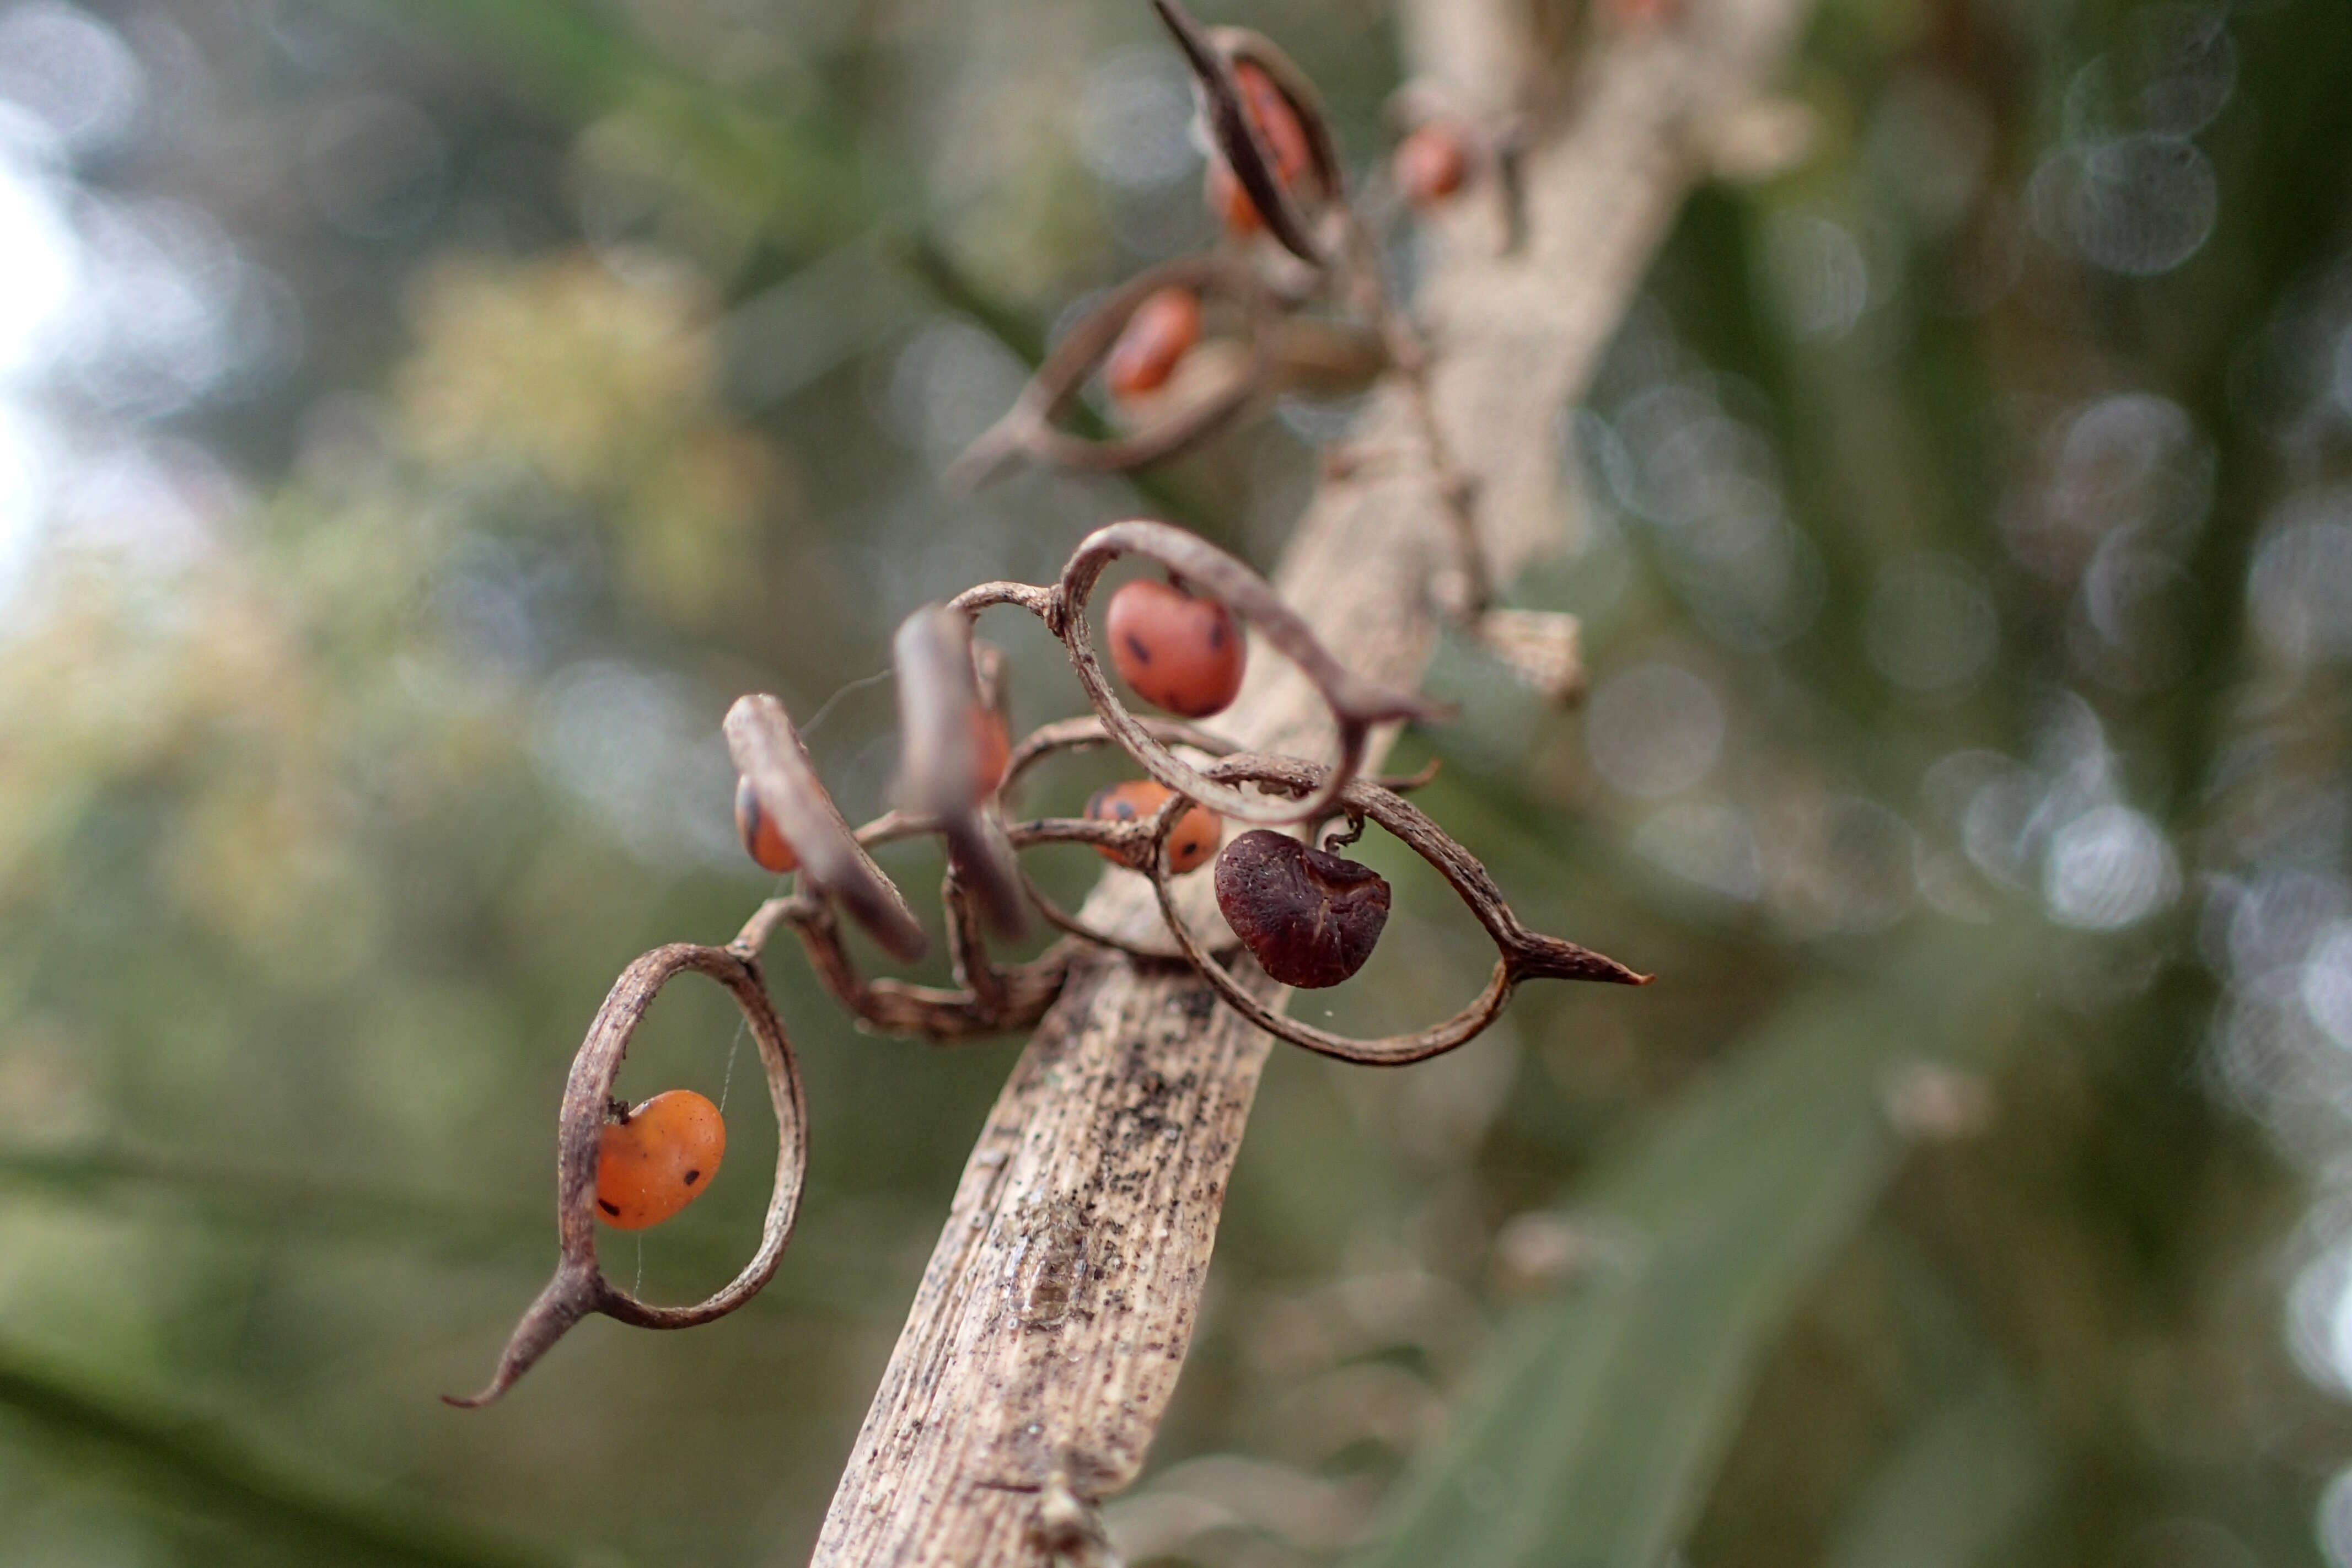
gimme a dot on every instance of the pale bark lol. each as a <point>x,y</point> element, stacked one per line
<point>1047,1338</point>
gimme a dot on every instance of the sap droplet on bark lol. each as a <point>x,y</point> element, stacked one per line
<point>1309,918</point>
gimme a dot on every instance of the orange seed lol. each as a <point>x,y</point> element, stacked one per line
<point>657,1158</point>
<point>1191,840</point>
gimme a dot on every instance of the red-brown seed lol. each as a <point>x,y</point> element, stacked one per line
<point>1221,189</point>
<point>1309,918</point>
<point>1431,163</point>
<point>1180,653</point>
<point>1192,838</point>
<point>1277,123</point>
<point>1284,138</point>
<point>1161,331</point>
<point>761,838</point>
<point>994,743</point>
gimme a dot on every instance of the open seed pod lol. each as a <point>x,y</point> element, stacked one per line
<point>768,752</point>
<point>943,772</point>
<point>579,1287</point>
<point>1213,53</point>
<point>1523,954</point>
<point>1357,705</point>
<point>1031,428</point>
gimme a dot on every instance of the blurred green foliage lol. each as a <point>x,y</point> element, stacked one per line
<point>449,409</point>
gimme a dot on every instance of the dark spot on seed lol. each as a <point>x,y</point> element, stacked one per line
<point>692,1177</point>
<point>608,1208</point>
<point>1135,646</point>
<point>1216,634</point>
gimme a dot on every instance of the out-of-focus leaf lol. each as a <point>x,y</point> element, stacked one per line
<point>226,1468</point>
<point>1598,1424</point>
<point>1957,1488</point>
<point>785,170</point>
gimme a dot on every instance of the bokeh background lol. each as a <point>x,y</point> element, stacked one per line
<point>418,421</point>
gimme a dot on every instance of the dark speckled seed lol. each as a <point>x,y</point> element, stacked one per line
<point>1191,841</point>
<point>1175,650</point>
<point>1310,918</point>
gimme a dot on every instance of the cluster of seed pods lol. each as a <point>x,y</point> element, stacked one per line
<point>1305,914</point>
<point>1293,298</point>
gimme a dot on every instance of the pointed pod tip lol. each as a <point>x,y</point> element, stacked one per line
<point>1550,958</point>
<point>475,1401</point>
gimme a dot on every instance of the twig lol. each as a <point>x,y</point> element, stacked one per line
<point>1109,1150</point>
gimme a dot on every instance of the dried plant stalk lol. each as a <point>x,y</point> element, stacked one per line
<point>1042,1346</point>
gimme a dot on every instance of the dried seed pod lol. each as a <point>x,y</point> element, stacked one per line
<point>1309,918</point>
<point>1207,392</point>
<point>993,748</point>
<point>762,839</point>
<point>1251,131</point>
<point>1176,651</point>
<point>1161,331</point>
<point>578,1286</point>
<point>1223,194</point>
<point>768,751</point>
<point>1431,163</point>
<point>1191,841</point>
<point>1284,137</point>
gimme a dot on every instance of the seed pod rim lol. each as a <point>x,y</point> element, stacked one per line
<point>1212,53</point>
<point>1129,839</point>
<point>1356,704</point>
<point>1523,954</point>
<point>579,1287</point>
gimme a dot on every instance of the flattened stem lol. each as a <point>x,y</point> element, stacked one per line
<point>1357,705</point>
<point>768,751</point>
<point>579,1287</point>
<point>939,721</point>
<point>1523,954</point>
